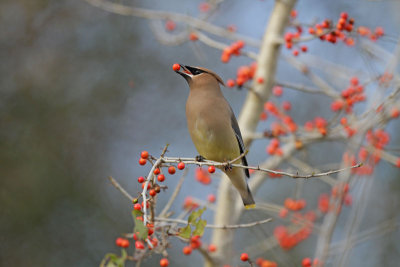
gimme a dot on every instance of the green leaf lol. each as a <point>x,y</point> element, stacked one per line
<point>140,229</point>
<point>111,260</point>
<point>200,225</point>
<point>195,215</point>
<point>185,232</point>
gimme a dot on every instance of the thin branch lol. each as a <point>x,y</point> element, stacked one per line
<point>302,165</point>
<point>258,168</point>
<point>225,227</point>
<point>221,46</point>
<point>120,188</point>
<point>157,15</point>
<point>302,88</point>
<point>149,176</point>
<point>174,195</point>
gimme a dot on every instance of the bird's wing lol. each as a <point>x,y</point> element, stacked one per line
<point>236,129</point>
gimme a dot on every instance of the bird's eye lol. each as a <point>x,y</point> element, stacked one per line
<point>196,72</point>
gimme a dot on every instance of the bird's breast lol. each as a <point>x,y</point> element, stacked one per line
<point>213,141</point>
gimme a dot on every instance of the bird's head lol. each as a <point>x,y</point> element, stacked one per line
<point>198,75</point>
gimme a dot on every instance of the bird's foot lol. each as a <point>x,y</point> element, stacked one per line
<point>200,158</point>
<point>227,166</point>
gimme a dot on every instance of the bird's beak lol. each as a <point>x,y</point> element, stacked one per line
<point>184,72</point>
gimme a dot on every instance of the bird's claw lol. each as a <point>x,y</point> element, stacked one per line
<point>199,158</point>
<point>227,166</point>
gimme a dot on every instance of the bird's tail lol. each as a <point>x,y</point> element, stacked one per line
<point>248,200</point>
<point>238,179</point>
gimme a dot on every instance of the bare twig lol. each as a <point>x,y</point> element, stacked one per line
<point>157,15</point>
<point>258,168</point>
<point>120,188</point>
<point>174,194</point>
<point>302,88</point>
<point>226,227</point>
<point>221,46</point>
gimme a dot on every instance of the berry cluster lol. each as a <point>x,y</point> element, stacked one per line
<point>243,74</point>
<point>265,263</point>
<point>122,242</point>
<point>307,262</point>
<point>195,243</point>
<point>330,32</point>
<point>285,122</point>
<point>353,94</point>
<point>295,205</point>
<point>319,124</point>
<point>232,50</point>
<point>202,176</point>
<point>189,204</point>
<point>288,238</point>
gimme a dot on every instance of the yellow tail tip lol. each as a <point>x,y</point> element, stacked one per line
<point>251,206</point>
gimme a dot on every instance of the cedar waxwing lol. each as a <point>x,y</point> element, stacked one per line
<point>213,126</point>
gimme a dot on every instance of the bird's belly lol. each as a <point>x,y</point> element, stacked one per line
<point>213,145</point>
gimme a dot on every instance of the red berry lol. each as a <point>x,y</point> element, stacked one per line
<point>161,177</point>
<point>306,262</point>
<point>283,212</point>
<point>204,7</point>
<point>230,83</point>
<point>170,25</point>
<point>354,81</point>
<point>343,15</point>
<point>348,200</point>
<point>122,242</point>
<point>193,37</point>
<point>176,67</point>
<point>398,163</point>
<point>263,116</point>
<point>148,186</point>
<point>157,171</point>
<point>277,90</point>
<point>395,113</point>
<point>142,161</point>
<point>260,80</point>
<point>195,242</point>
<point>139,245</point>
<point>125,243</point>
<point>187,250</point>
<point>244,257</point>
<point>152,192</point>
<point>137,206</point>
<point>295,52</point>
<point>171,170</point>
<point>211,198</point>
<point>304,48</point>
<point>211,169</point>
<point>164,262</point>
<point>140,179</point>
<point>379,31</point>
<point>286,105</point>
<point>225,57</point>
<point>212,248</point>
<point>144,154</point>
<point>181,166</point>
<point>150,229</point>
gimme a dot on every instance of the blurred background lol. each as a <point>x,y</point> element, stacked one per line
<point>83,91</point>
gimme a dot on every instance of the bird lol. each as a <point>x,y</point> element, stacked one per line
<point>213,127</point>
